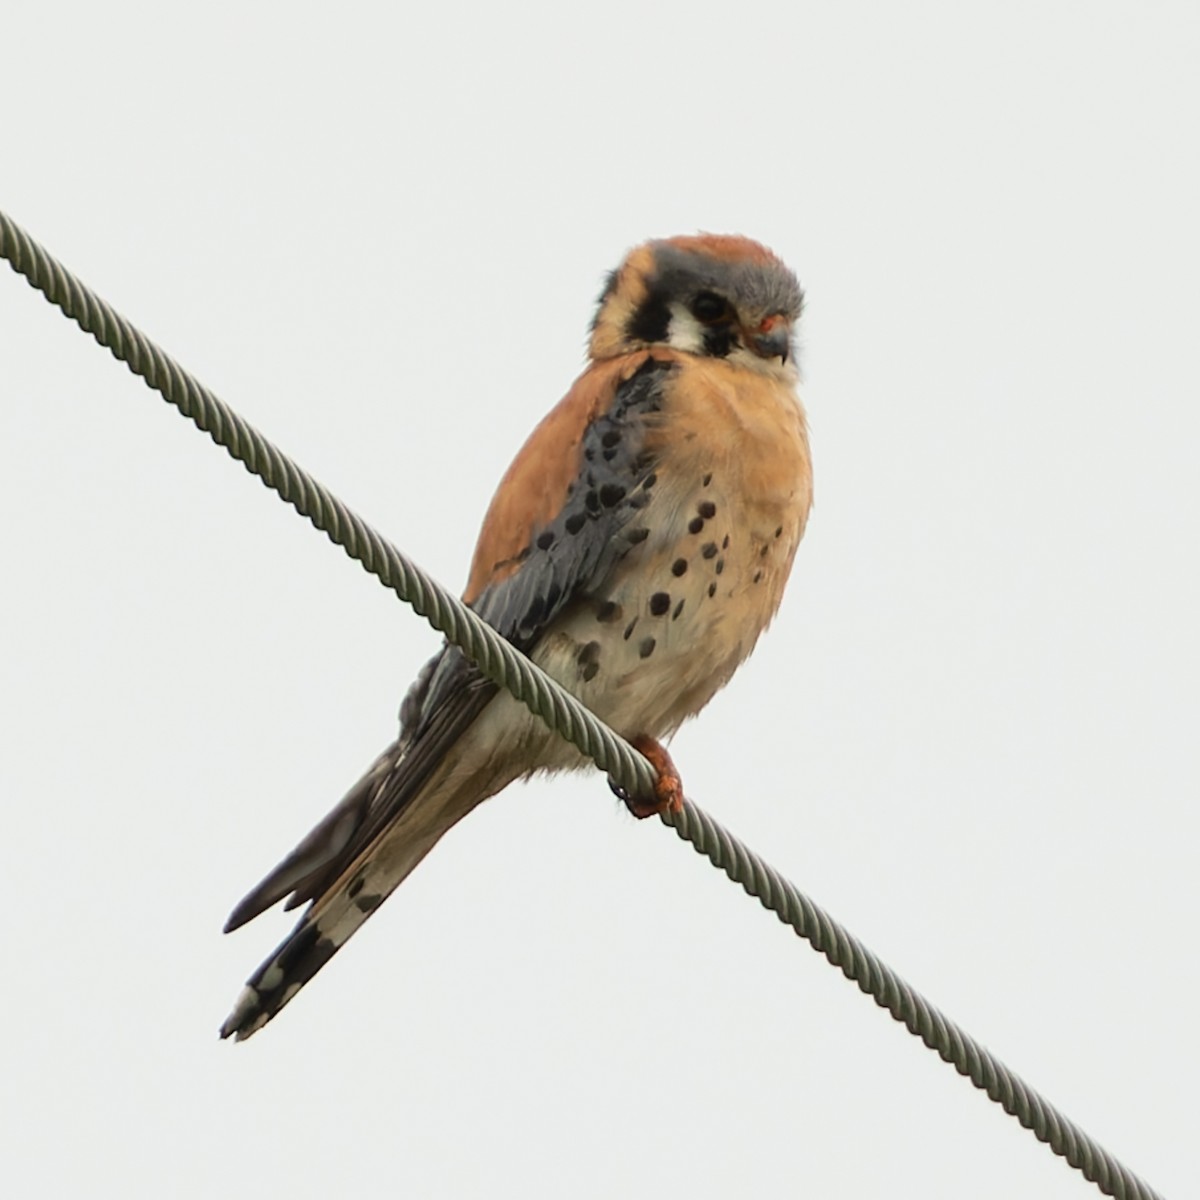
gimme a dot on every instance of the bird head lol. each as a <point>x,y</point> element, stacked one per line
<point>711,295</point>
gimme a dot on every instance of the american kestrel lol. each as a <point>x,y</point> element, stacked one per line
<point>636,549</point>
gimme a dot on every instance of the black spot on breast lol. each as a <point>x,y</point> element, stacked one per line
<point>678,610</point>
<point>708,550</point>
<point>763,552</point>
<point>610,438</point>
<point>611,494</point>
<point>592,500</point>
<point>779,531</point>
<point>634,536</point>
<point>679,567</point>
<point>659,603</point>
<point>720,565</point>
<point>650,480</point>
<point>706,480</point>
<point>706,508</point>
<point>610,610</point>
<point>639,500</point>
<point>712,589</point>
<point>355,887</point>
<point>757,576</point>
<point>646,647</point>
<point>575,522</point>
<point>545,540</point>
<point>630,628</point>
<point>695,525</point>
<point>725,543</point>
<point>589,661</point>
<point>368,903</point>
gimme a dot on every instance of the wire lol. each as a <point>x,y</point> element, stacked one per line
<point>563,713</point>
<point>445,612</point>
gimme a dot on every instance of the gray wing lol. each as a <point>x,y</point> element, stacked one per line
<point>567,559</point>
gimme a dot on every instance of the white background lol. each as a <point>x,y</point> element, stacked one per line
<point>378,231</point>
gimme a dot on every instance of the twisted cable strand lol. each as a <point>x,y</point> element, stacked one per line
<point>906,1005</point>
<point>566,715</point>
<point>445,612</point>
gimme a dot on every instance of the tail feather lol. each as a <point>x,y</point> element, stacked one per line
<point>330,923</point>
<point>313,857</point>
<point>417,790</point>
<point>299,957</point>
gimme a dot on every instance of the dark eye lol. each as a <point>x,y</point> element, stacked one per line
<point>710,308</point>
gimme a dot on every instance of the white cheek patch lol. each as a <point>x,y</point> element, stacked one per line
<point>685,332</point>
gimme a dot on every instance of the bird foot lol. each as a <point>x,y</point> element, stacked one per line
<point>668,787</point>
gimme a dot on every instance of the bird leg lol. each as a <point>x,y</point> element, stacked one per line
<point>667,795</point>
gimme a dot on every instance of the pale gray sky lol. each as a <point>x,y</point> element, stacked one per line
<point>972,734</point>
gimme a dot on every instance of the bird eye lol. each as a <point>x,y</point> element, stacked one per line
<point>710,308</point>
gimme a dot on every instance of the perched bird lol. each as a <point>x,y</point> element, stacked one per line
<point>636,549</point>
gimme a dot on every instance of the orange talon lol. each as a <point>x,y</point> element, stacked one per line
<point>668,787</point>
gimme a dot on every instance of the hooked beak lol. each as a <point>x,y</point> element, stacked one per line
<point>772,338</point>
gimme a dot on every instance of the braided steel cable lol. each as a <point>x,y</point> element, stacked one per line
<point>888,990</point>
<point>501,662</point>
<point>563,713</point>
